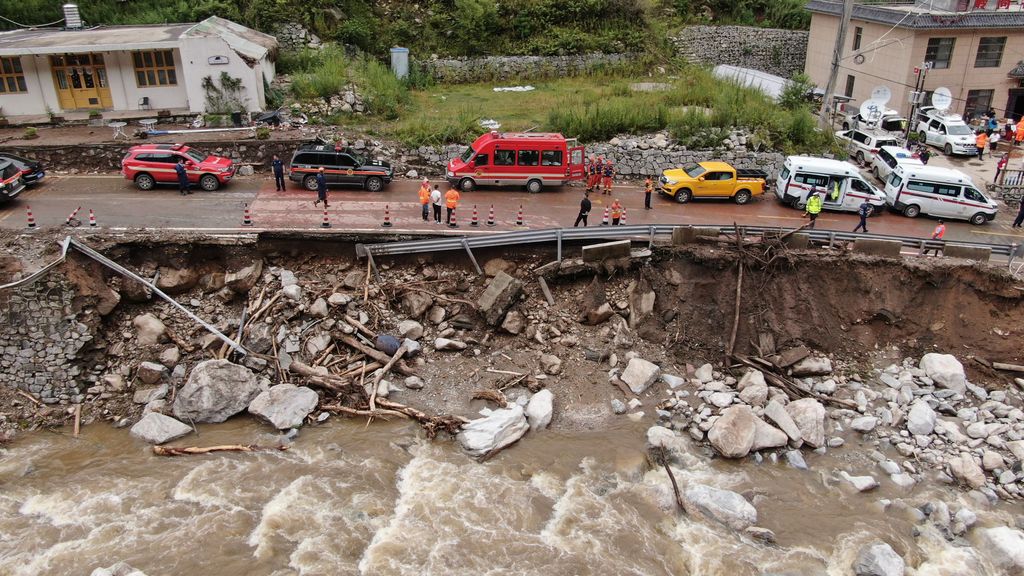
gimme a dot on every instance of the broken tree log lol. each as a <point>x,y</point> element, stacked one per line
<point>193,450</point>
<point>320,380</point>
<point>795,392</point>
<point>376,355</point>
<point>1008,367</point>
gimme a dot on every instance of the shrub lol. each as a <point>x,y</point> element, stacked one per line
<point>325,78</point>
<point>794,95</point>
<point>420,130</point>
<point>31,133</point>
<point>604,119</point>
<point>296,61</point>
<point>384,93</point>
<point>263,133</point>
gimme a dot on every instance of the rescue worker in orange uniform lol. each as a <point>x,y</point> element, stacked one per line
<point>425,199</point>
<point>1019,135</point>
<point>648,190</point>
<point>588,172</point>
<point>616,209</point>
<point>596,169</point>
<point>937,234</point>
<point>451,200</point>
<point>609,174</point>
<point>981,142</point>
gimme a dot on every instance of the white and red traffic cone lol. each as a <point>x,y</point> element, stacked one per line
<point>327,222</point>
<point>387,216</point>
<point>519,216</point>
<point>246,216</point>
<point>604,219</point>
<point>453,223</point>
<point>71,217</point>
<point>92,219</point>
<point>31,218</point>
<point>474,222</point>
<point>490,216</point>
<point>622,222</point>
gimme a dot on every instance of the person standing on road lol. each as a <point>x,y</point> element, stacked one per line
<point>1019,134</point>
<point>451,200</point>
<point>321,188</point>
<point>864,210</point>
<point>609,176</point>
<point>616,208</point>
<point>813,208</point>
<point>980,142</point>
<point>1020,216</point>
<point>1009,130</point>
<point>425,199</point>
<point>585,207</point>
<point>937,234</point>
<point>278,167</point>
<point>648,190</point>
<point>924,155</point>
<point>1001,165</point>
<point>588,171</point>
<point>435,202</point>
<point>179,168</point>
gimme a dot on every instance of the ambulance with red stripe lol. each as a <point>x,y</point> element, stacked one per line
<point>843,187</point>
<point>342,166</point>
<point>11,182</point>
<point>530,159</point>
<point>940,192</point>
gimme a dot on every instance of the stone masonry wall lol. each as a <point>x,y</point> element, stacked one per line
<point>42,339</point>
<point>503,68</point>
<point>779,52</point>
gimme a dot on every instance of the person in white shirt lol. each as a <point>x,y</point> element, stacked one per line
<point>435,201</point>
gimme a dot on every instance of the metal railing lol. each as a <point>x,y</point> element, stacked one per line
<point>646,232</point>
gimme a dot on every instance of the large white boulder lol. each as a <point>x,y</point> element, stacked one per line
<point>284,406</point>
<point>725,506</point>
<point>215,391</point>
<point>494,432</point>
<point>767,436</point>
<point>640,374</point>
<point>777,413</point>
<point>1004,547</point>
<point>732,434</point>
<point>945,370</point>
<point>921,418</point>
<point>156,428</point>
<point>539,410</point>
<point>809,416</point>
<point>878,559</point>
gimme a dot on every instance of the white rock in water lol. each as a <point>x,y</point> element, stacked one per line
<point>284,406</point>
<point>725,506</point>
<point>767,436</point>
<point>444,344</point>
<point>539,410</point>
<point>1005,548</point>
<point>809,416</point>
<point>861,483</point>
<point>945,370</point>
<point>732,434</point>
<point>878,559</point>
<point>156,428</point>
<point>499,429</point>
<point>921,419</point>
<point>215,391</point>
<point>864,424</point>
<point>705,373</point>
<point>640,374</point>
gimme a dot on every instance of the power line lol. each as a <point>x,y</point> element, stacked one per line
<point>31,25</point>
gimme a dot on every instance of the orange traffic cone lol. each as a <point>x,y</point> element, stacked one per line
<point>604,219</point>
<point>519,216</point>
<point>246,217</point>
<point>92,219</point>
<point>490,216</point>
<point>453,223</point>
<point>387,216</point>
<point>474,222</point>
<point>327,222</point>
<point>31,218</point>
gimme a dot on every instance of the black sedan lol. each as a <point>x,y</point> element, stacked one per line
<point>31,170</point>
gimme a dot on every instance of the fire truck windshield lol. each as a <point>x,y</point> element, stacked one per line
<point>467,154</point>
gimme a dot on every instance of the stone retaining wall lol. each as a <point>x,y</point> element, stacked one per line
<point>504,68</point>
<point>107,157</point>
<point>779,52</point>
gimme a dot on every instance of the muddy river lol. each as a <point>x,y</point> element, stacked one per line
<point>347,499</point>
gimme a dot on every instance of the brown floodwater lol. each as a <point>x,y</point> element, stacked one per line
<point>351,499</point>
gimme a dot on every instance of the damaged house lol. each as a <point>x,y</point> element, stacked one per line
<point>178,68</point>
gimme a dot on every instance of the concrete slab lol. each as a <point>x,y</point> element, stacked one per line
<point>886,248</point>
<point>976,253</point>
<point>688,234</point>
<point>798,241</point>
<point>606,250</point>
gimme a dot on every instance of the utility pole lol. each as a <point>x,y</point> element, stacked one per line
<point>922,72</point>
<point>825,119</point>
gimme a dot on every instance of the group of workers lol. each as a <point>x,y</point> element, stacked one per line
<point>430,201</point>
<point>600,174</point>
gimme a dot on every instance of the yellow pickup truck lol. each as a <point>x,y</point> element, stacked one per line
<point>712,180</point>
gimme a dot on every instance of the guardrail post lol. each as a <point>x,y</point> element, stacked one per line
<point>465,244</point>
<point>373,264</point>
<point>558,237</point>
<point>650,241</point>
<point>831,239</point>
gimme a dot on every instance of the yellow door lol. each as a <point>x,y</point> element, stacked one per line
<point>81,81</point>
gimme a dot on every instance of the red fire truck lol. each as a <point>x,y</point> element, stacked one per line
<point>531,159</point>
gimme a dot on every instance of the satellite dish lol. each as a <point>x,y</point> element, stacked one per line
<point>942,99</point>
<point>872,110</point>
<point>882,94</point>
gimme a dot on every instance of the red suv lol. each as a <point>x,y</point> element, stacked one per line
<point>152,164</point>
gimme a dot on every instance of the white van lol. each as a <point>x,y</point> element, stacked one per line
<point>937,191</point>
<point>889,157</point>
<point>802,174</point>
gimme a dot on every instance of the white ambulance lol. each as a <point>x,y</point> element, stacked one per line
<point>937,191</point>
<point>803,174</point>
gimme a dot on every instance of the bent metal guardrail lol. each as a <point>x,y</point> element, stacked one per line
<point>647,231</point>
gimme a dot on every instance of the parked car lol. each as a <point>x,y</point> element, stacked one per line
<point>864,144</point>
<point>938,191</point>
<point>31,170</point>
<point>891,121</point>
<point>802,175</point>
<point>889,157</point>
<point>11,181</point>
<point>150,164</point>
<point>949,132</point>
<point>712,180</point>
<point>531,159</point>
<point>342,167</point>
